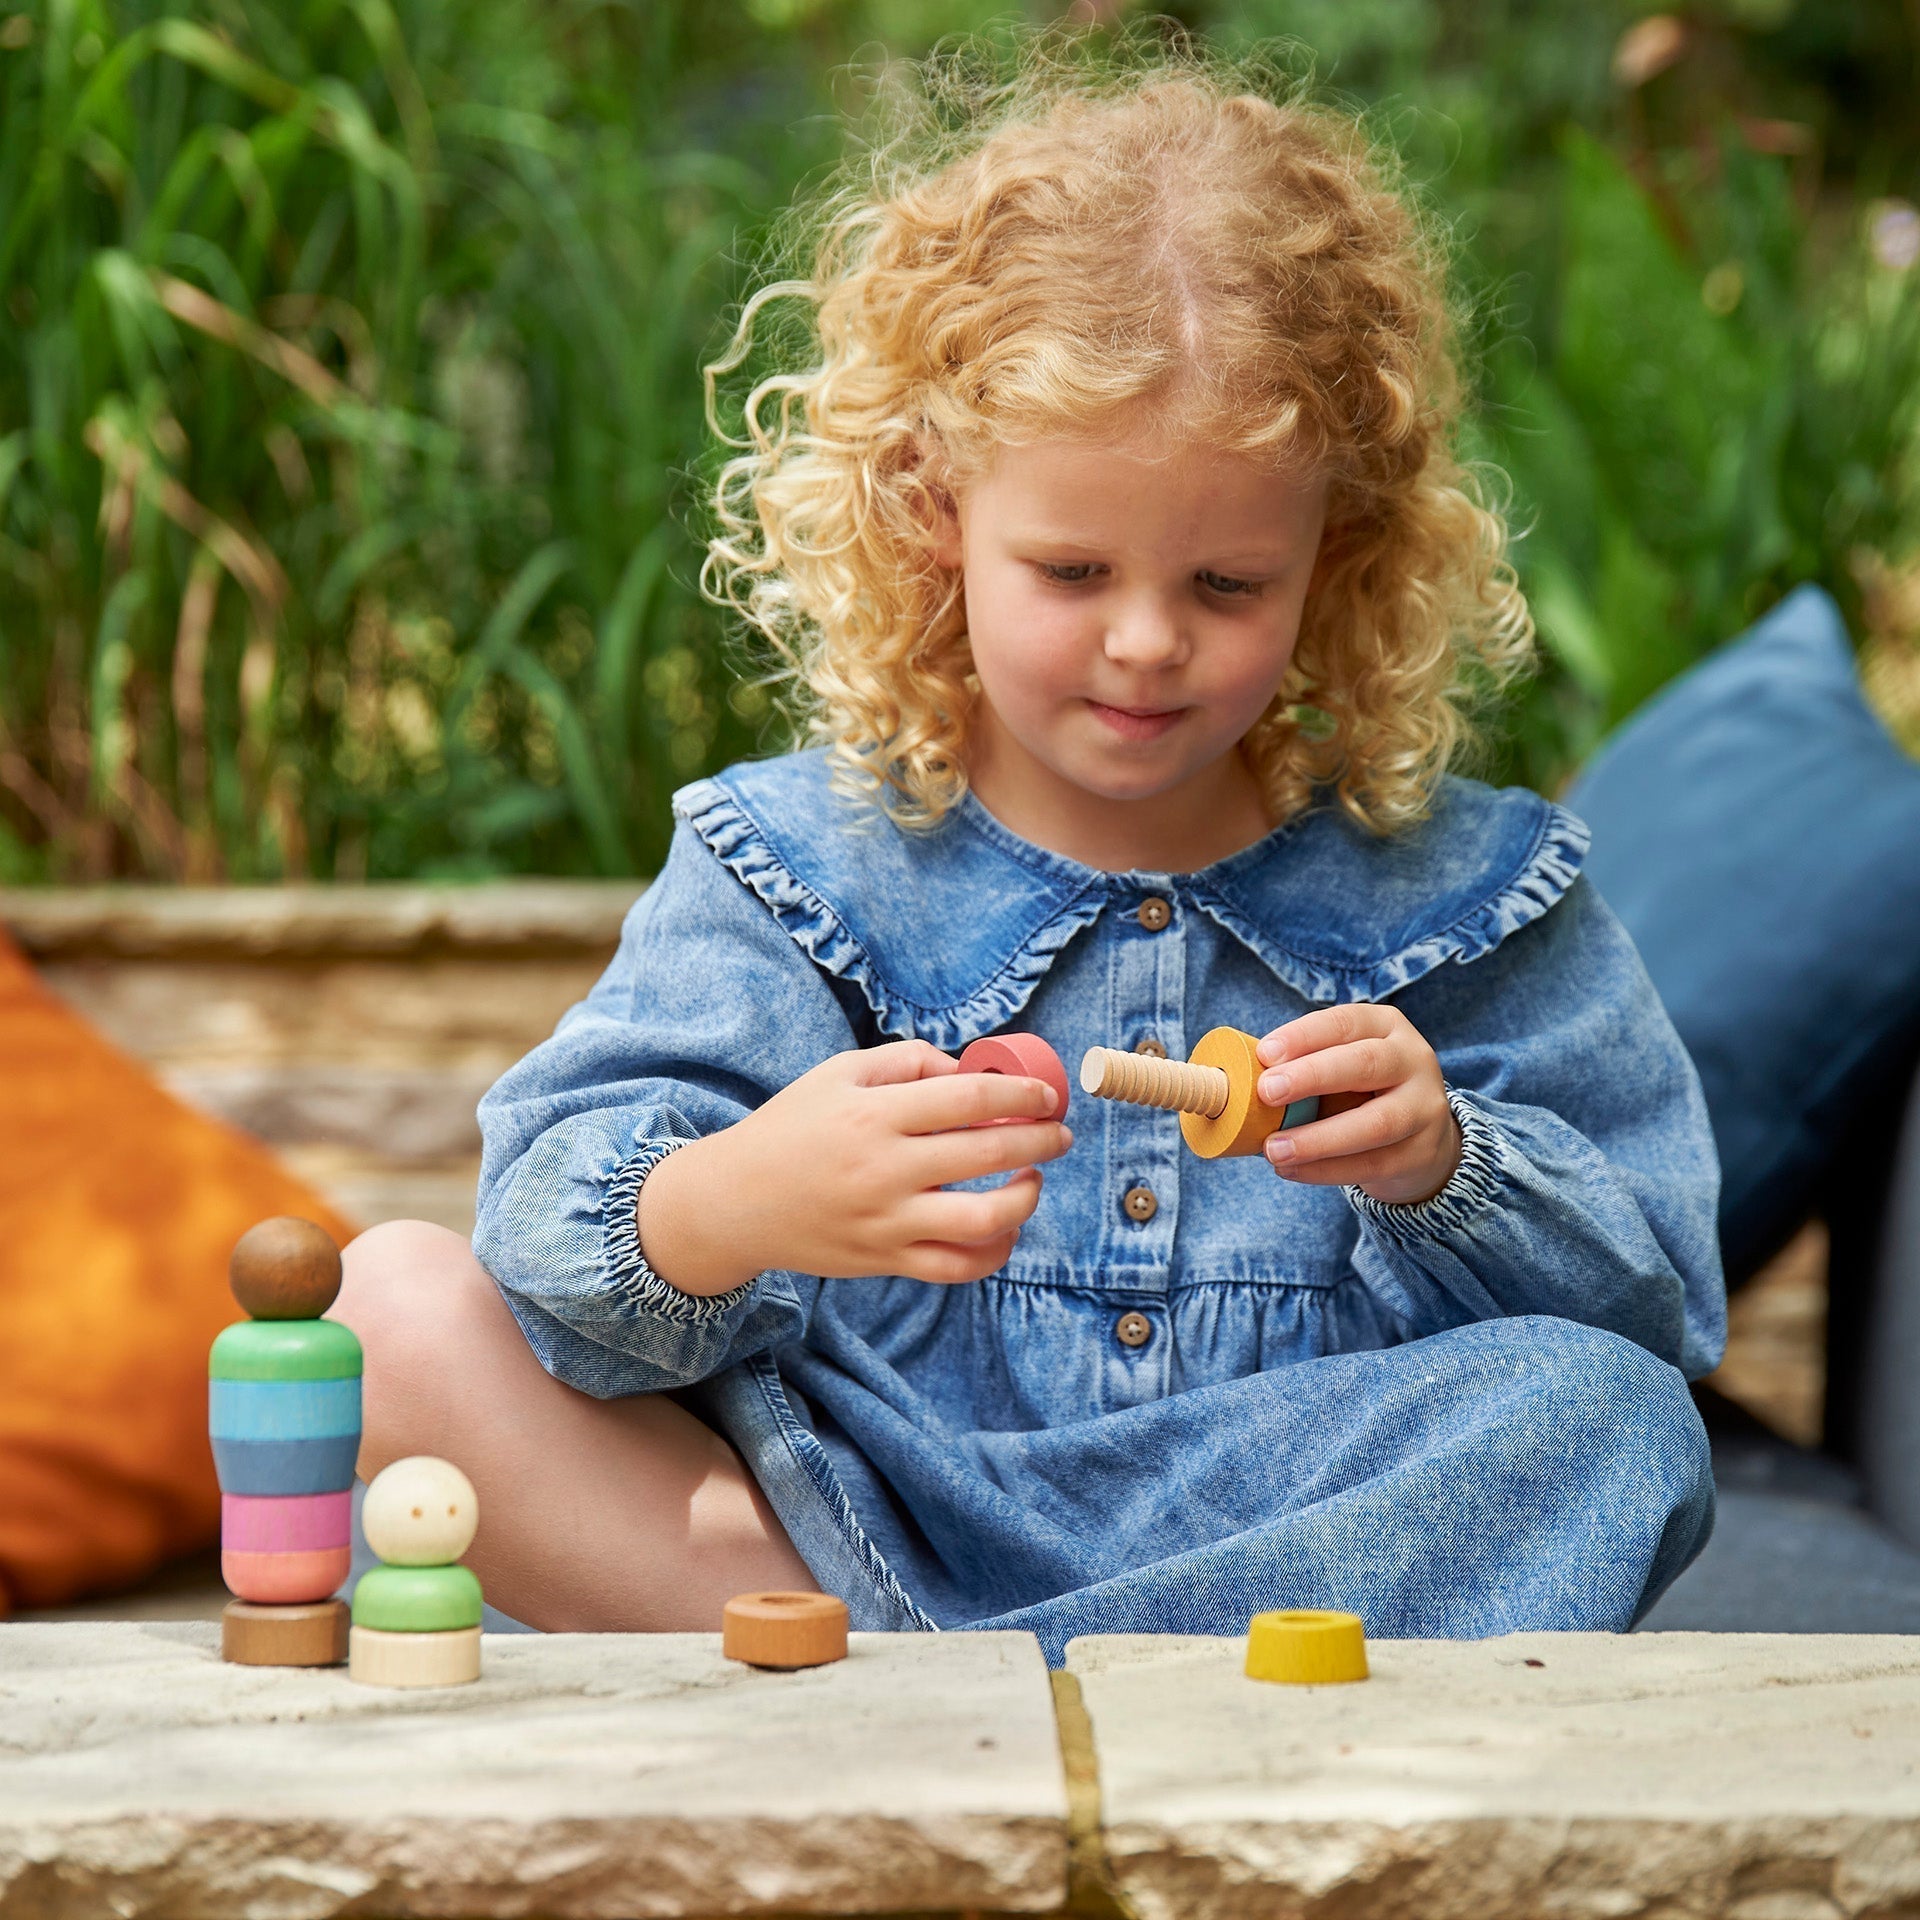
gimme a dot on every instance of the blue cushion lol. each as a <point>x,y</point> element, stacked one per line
<point>1758,831</point>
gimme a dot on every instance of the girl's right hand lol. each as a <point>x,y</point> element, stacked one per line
<point>841,1173</point>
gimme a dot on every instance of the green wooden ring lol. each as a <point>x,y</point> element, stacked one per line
<point>285,1350</point>
<point>417,1599</point>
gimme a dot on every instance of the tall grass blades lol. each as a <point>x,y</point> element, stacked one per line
<point>349,389</point>
<point>346,373</point>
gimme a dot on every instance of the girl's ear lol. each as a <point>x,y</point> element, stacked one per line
<point>944,533</point>
<point>938,511</point>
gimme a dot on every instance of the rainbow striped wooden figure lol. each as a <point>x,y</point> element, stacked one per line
<point>284,1418</point>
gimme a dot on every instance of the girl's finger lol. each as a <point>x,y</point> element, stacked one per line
<point>901,1062</point>
<point>970,1153</point>
<point>967,1219</point>
<point>1327,1027</point>
<point>944,1265</point>
<point>1360,1066</point>
<point>1380,1123</point>
<point>1346,1170</point>
<point>965,1099</point>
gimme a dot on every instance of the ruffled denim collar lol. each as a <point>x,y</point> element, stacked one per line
<point>946,934</point>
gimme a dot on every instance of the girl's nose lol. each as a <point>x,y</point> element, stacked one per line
<point>1145,635</point>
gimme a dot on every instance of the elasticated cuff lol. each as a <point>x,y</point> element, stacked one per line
<point>1474,1186</point>
<point>626,1259</point>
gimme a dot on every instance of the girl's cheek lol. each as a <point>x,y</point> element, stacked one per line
<point>1036,648</point>
<point>1252,664</point>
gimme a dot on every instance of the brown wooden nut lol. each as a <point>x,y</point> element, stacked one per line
<point>784,1629</point>
<point>285,1269</point>
<point>312,1635</point>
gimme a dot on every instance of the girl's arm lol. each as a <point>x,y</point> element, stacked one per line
<point>707,1008</point>
<point>1588,1184</point>
<point>717,1061</point>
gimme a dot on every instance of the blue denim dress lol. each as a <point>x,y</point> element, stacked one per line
<point>1455,1418</point>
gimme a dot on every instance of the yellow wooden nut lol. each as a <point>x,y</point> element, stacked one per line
<point>1305,1647</point>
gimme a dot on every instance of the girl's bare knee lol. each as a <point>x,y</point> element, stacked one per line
<point>427,1316</point>
<point>407,1284</point>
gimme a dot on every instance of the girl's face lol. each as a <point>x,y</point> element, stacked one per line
<point>1131,615</point>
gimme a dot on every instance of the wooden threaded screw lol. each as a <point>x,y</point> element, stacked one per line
<point>1176,1086</point>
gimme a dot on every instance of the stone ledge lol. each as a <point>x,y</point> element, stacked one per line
<point>500,917</point>
<point>630,1777</point>
<point>1657,1776</point>
<point>608,1777</point>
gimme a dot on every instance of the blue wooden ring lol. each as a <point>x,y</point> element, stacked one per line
<point>323,1465</point>
<point>283,1409</point>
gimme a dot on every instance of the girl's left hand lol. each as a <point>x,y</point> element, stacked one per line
<point>1384,1127</point>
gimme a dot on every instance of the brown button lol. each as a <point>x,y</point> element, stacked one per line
<point>1150,1045</point>
<point>1140,1204</point>
<point>1154,913</point>
<point>1133,1329</point>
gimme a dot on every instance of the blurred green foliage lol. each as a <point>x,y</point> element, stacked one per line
<point>350,409</point>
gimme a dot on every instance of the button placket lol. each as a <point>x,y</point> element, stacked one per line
<point>1146,1010</point>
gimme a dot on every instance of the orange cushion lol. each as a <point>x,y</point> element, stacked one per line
<point>118,1208</point>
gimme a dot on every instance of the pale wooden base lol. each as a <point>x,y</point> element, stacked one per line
<point>381,1659</point>
<point>784,1630</point>
<point>309,1635</point>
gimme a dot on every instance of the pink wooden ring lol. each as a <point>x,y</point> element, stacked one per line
<point>286,1522</point>
<point>1025,1055</point>
<point>282,1579</point>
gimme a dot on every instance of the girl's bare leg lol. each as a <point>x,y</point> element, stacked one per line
<point>595,1515</point>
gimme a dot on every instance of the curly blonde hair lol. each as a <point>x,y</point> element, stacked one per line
<point>1158,245</point>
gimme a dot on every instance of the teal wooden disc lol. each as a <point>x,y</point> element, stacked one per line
<point>416,1599</point>
<point>285,1350</point>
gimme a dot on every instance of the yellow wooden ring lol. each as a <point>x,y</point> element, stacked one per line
<point>1243,1124</point>
<point>1306,1647</point>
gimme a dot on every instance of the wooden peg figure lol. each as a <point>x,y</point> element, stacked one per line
<point>416,1618</point>
<point>283,1414</point>
<point>1214,1092</point>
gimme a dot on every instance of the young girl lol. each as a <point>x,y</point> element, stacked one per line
<point>1115,539</point>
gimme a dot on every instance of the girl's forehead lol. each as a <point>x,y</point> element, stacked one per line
<point>1095,468</point>
<point>1095,492</point>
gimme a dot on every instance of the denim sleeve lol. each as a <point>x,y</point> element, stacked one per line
<point>707,1009</point>
<point>1588,1183</point>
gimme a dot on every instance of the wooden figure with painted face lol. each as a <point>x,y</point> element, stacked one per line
<point>416,1617</point>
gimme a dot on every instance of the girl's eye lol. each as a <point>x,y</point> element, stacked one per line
<point>1227,587</point>
<point>1068,576</point>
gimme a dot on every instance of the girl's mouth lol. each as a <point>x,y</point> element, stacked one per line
<point>1136,723</point>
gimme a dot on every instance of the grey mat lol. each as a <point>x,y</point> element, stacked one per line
<point>1792,1552</point>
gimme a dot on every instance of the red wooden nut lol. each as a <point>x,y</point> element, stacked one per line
<point>1025,1055</point>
